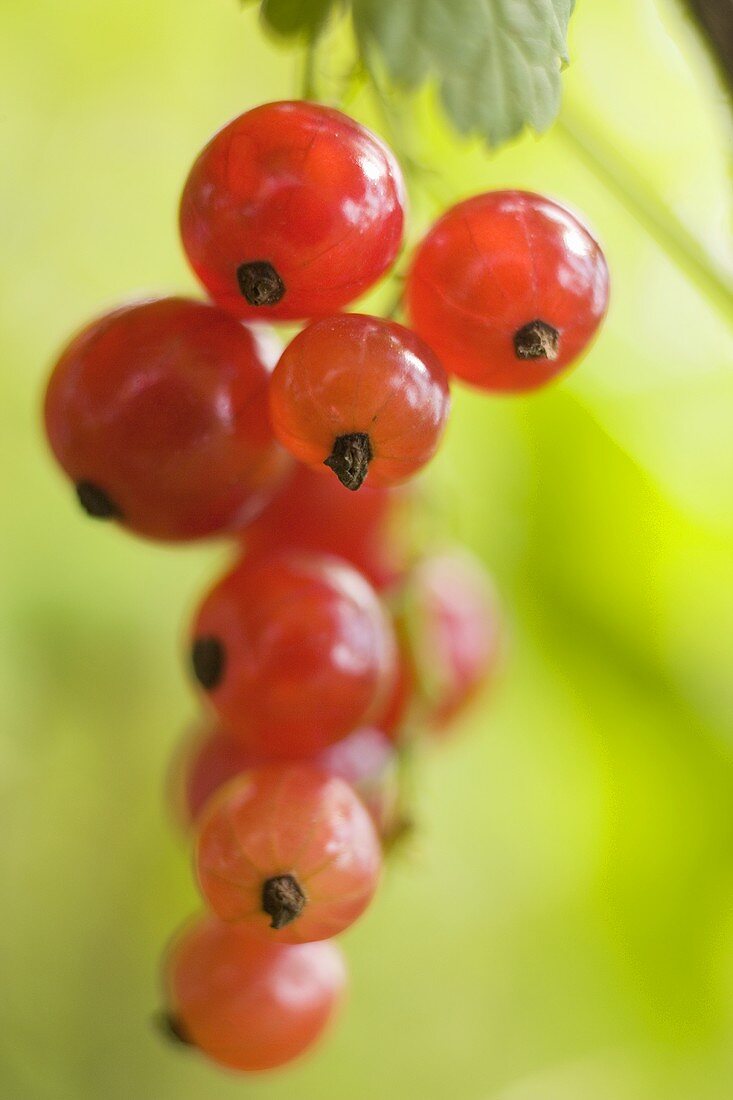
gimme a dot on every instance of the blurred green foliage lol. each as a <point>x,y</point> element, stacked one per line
<point>563,927</point>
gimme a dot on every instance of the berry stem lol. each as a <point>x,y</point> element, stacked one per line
<point>308,88</point>
<point>350,459</point>
<point>632,190</point>
<point>417,172</point>
<point>283,900</point>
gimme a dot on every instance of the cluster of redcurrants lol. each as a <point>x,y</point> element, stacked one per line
<point>325,646</point>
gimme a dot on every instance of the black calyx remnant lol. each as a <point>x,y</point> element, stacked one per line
<point>350,459</point>
<point>208,658</point>
<point>260,283</point>
<point>95,501</point>
<point>172,1028</point>
<point>282,899</point>
<point>537,340</point>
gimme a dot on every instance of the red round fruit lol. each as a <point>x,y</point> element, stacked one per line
<point>450,626</point>
<point>360,395</point>
<point>366,759</point>
<point>294,653</point>
<point>206,760</point>
<point>246,1004</point>
<point>508,288</point>
<point>292,210</point>
<point>312,512</point>
<point>158,413</point>
<point>288,853</point>
<point>401,708</point>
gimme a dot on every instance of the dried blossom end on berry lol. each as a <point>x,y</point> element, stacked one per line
<point>260,283</point>
<point>96,502</point>
<point>283,900</point>
<point>537,340</point>
<point>208,658</point>
<point>350,459</point>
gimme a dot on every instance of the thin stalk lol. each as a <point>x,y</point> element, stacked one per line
<point>417,173</point>
<point>633,191</point>
<point>308,90</point>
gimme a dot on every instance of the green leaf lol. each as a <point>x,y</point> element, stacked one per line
<point>497,62</point>
<point>291,18</point>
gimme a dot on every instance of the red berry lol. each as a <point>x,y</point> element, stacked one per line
<point>204,762</point>
<point>450,625</point>
<point>312,512</point>
<point>508,288</point>
<point>360,394</point>
<point>246,1004</point>
<point>401,701</point>
<point>292,210</point>
<point>366,759</point>
<point>158,413</point>
<point>289,853</point>
<point>294,653</point>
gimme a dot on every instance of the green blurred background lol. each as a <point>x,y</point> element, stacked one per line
<point>562,929</point>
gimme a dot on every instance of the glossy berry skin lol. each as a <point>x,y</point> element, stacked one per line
<point>291,211</point>
<point>294,653</point>
<point>158,413</point>
<point>450,632</point>
<point>249,1005</point>
<point>488,271</point>
<point>366,759</point>
<point>288,853</point>
<point>361,395</point>
<point>402,704</point>
<point>206,760</point>
<point>312,512</point>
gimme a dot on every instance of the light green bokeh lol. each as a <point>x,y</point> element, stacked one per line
<point>562,928</point>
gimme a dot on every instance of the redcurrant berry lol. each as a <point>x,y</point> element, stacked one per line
<point>400,705</point>
<point>450,631</point>
<point>508,288</point>
<point>360,394</point>
<point>206,759</point>
<point>292,210</point>
<point>294,653</point>
<point>288,852</point>
<point>246,1004</point>
<point>366,759</point>
<point>158,413</point>
<point>312,512</point>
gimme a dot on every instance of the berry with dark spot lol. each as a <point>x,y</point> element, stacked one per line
<point>158,413</point>
<point>288,852</point>
<point>246,1004</point>
<point>364,396</point>
<point>508,288</point>
<point>291,211</point>
<point>304,653</point>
